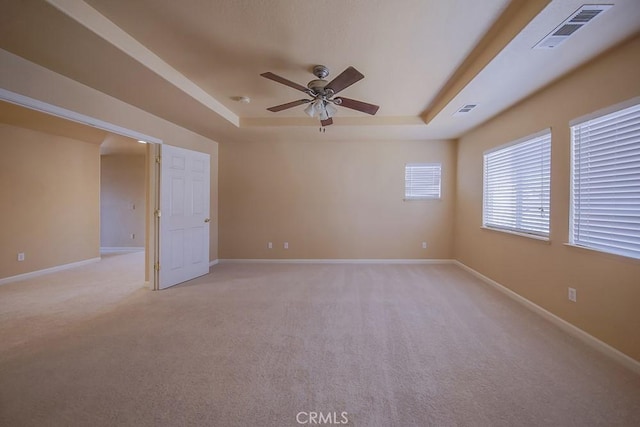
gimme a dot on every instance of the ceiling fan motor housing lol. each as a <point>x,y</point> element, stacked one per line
<point>317,86</point>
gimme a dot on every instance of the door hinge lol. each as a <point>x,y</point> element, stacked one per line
<point>156,266</point>
<point>158,159</point>
<point>157,213</point>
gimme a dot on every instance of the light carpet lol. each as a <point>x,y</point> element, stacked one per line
<point>259,344</point>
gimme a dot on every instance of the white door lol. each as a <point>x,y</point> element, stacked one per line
<point>184,215</point>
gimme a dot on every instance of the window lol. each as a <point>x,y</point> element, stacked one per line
<point>516,186</point>
<point>605,185</point>
<point>422,181</point>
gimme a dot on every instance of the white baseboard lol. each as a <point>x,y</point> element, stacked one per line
<point>114,249</point>
<point>335,261</point>
<point>583,336</point>
<point>214,262</point>
<point>46,271</point>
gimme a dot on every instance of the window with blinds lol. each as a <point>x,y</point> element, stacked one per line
<point>517,186</point>
<point>605,187</point>
<point>422,181</point>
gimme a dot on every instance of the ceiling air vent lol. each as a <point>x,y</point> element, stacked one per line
<point>573,23</point>
<point>465,109</point>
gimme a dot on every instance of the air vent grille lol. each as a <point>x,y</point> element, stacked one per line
<point>573,23</point>
<point>567,30</point>
<point>465,109</point>
<point>586,15</point>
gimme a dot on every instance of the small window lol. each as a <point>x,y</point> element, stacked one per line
<point>517,186</point>
<point>605,183</point>
<point>422,181</point>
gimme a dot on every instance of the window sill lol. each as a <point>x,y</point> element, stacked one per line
<point>599,252</point>
<point>515,233</point>
<point>421,199</point>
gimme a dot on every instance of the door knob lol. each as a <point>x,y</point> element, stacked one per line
<point>207,219</point>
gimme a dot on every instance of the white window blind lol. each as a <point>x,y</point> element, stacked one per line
<point>517,186</point>
<point>605,202</point>
<point>422,181</point>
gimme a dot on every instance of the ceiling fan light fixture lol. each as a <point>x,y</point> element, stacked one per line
<point>331,109</point>
<point>323,115</point>
<point>321,109</point>
<point>310,110</point>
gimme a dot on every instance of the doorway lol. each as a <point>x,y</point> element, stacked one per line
<point>62,124</point>
<point>123,189</point>
<point>122,195</point>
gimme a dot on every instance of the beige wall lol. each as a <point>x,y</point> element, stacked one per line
<point>49,188</point>
<point>122,200</point>
<point>332,200</point>
<point>608,287</point>
<point>26,78</point>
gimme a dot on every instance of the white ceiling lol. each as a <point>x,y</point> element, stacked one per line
<point>188,61</point>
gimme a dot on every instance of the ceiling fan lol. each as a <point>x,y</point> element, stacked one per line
<point>323,99</point>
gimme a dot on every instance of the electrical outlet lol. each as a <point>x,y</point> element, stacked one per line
<point>424,245</point>
<point>270,245</point>
<point>573,295</point>
<point>21,256</point>
<point>286,245</point>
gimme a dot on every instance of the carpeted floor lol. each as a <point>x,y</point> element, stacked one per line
<point>262,344</point>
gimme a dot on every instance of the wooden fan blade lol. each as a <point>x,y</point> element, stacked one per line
<point>327,122</point>
<point>288,105</point>
<point>284,81</point>
<point>344,80</point>
<point>358,105</point>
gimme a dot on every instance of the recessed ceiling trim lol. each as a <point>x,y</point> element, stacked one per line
<point>54,110</point>
<point>100,25</point>
<point>509,24</point>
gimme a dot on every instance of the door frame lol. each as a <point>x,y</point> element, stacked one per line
<point>152,223</point>
<point>152,241</point>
